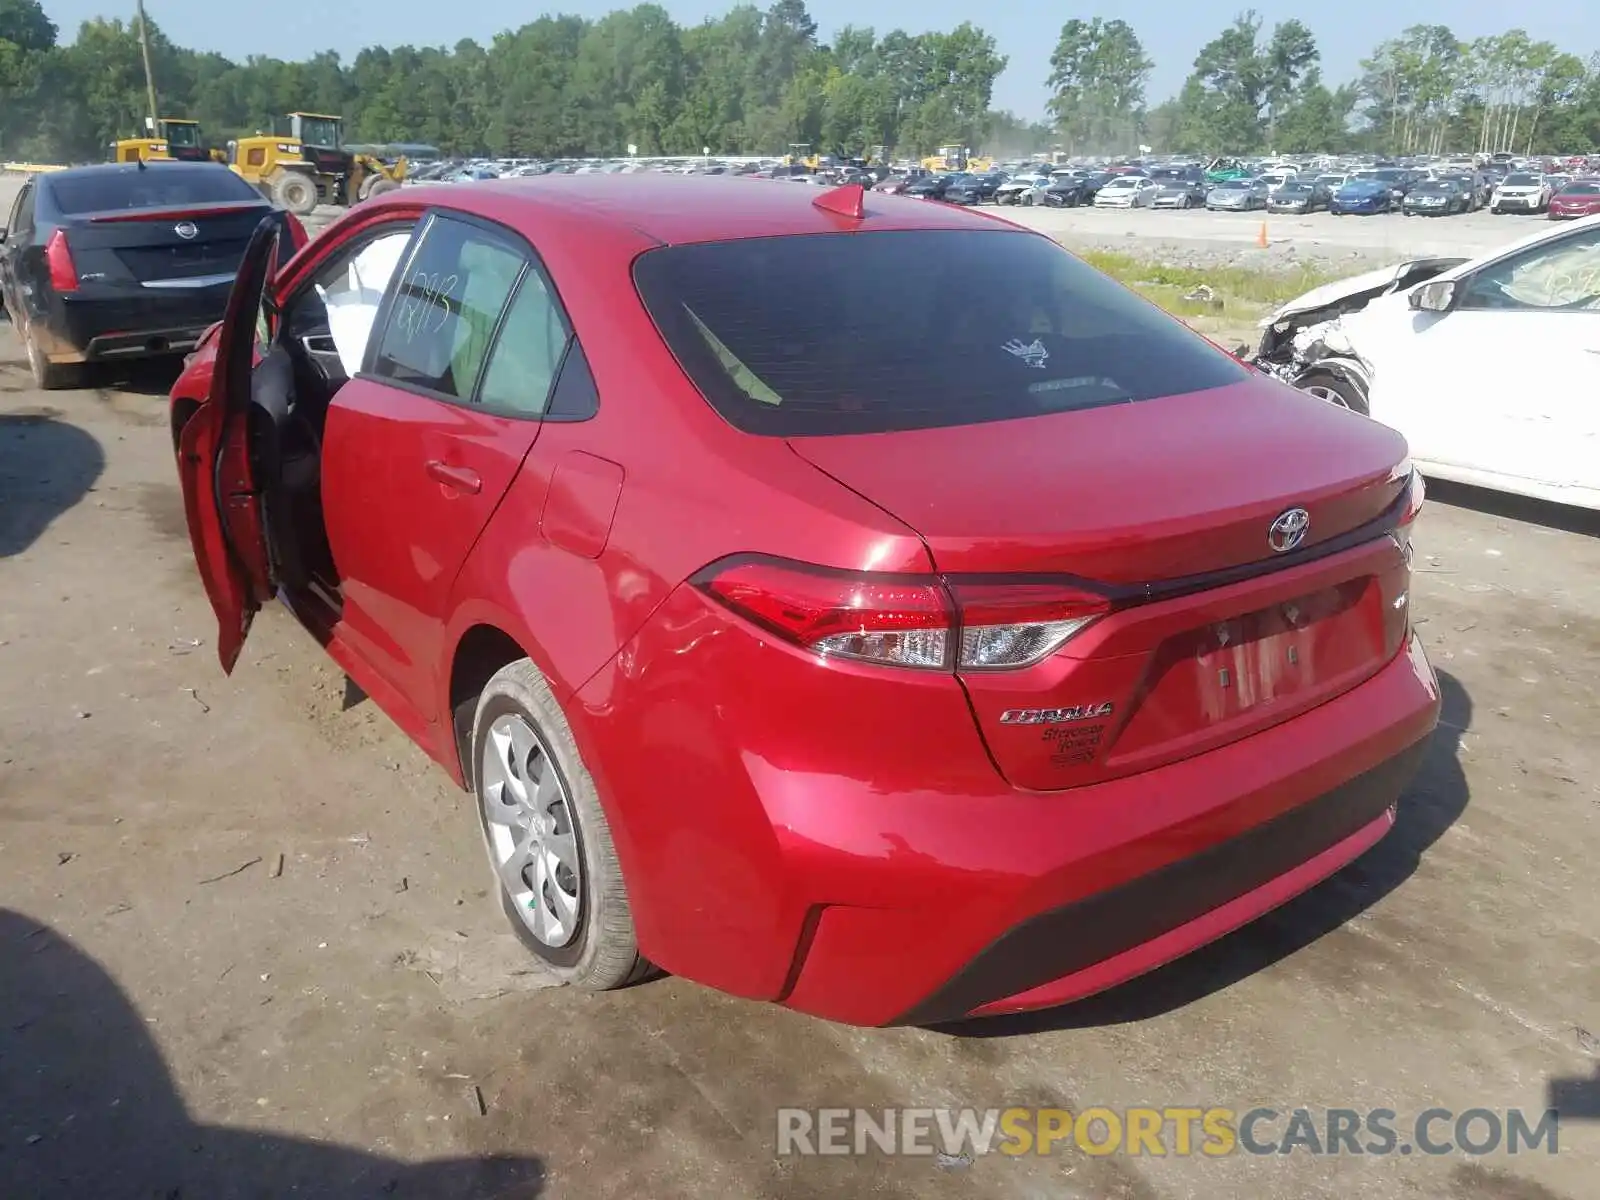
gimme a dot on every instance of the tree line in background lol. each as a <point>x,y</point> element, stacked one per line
<point>761,81</point>
<point>1426,91</point>
<point>752,81</point>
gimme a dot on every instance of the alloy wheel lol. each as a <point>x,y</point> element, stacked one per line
<point>1326,393</point>
<point>532,838</point>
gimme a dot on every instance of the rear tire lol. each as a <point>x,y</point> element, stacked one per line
<point>1334,389</point>
<point>295,192</point>
<point>49,376</point>
<point>519,734</point>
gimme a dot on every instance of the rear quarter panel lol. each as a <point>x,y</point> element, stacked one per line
<point>693,490</point>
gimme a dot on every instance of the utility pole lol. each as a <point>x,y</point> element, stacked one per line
<point>149,77</point>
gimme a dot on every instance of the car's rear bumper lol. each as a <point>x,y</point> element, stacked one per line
<point>835,838</point>
<point>1089,902</point>
<point>150,322</point>
<point>1088,945</point>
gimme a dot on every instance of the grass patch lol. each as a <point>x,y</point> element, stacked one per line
<point>1239,296</point>
<point>1244,285</point>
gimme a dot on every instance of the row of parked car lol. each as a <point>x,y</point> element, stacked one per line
<point>1438,189</point>
<point>1412,191</point>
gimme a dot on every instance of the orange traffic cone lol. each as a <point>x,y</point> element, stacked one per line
<point>1261,238</point>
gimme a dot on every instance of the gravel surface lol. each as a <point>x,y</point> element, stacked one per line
<point>1334,245</point>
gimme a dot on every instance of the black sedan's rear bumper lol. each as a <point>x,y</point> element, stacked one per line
<point>126,323</point>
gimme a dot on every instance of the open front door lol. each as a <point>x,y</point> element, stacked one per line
<point>220,494</point>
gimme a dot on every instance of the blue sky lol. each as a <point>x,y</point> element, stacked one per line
<point>1172,30</point>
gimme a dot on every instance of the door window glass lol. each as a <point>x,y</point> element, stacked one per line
<point>347,292</point>
<point>528,352</point>
<point>1564,275</point>
<point>22,213</point>
<point>446,307</point>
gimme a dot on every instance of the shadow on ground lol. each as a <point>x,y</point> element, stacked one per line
<point>1435,801</point>
<point>88,1108</point>
<point>1516,508</point>
<point>46,467</point>
<point>1575,1098</point>
<point>144,377</point>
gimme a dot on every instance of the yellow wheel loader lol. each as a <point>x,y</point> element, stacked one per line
<point>305,164</point>
<point>173,138</point>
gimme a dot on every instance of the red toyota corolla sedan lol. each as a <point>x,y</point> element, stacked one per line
<point>872,609</point>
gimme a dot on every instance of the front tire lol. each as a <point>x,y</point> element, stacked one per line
<point>547,837</point>
<point>1334,389</point>
<point>295,192</point>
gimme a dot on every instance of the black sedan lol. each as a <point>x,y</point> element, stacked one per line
<point>973,189</point>
<point>1439,198</point>
<point>1064,191</point>
<point>1297,197</point>
<point>124,261</point>
<point>934,187</point>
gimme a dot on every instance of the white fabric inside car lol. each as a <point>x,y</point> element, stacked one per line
<point>352,299</point>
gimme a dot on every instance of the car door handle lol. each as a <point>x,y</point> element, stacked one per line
<point>462,479</point>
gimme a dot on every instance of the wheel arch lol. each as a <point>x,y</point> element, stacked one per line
<point>482,649</point>
<point>182,412</point>
<point>1352,370</point>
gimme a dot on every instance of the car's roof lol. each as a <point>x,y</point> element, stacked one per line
<point>674,209</point>
<point>111,170</point>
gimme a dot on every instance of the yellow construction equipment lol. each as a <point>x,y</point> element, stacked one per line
<point>172,138</point>
<point>957,158</point>
<point>305,164</point>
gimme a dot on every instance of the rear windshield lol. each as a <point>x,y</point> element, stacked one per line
<point>938,327</point>
<point>163,185</point>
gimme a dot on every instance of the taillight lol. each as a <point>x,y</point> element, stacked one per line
<point>58,260</point>
<point>905,621</point>
<point>885,619</point>
<point>1006,625</point>
<point>1415,493</point>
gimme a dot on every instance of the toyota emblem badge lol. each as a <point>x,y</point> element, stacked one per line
<point>1288,530</point>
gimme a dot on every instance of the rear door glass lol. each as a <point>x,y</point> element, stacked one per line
<point>870,332</point>
<point>447,307</point>
<point>168,185</point>
<point>528,352</point>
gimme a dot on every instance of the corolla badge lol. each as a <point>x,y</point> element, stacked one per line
<point>1288,530</point>
<point>1034,353</point>
<point>187,230</point>
<point>1055,716</point>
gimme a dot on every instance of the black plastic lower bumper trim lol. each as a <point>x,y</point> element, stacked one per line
<point>1064,940</point>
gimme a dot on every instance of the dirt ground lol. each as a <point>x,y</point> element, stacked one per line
<point>246,947</point>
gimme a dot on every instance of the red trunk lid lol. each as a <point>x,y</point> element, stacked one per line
<point>1140,494</point>
<point>1128,493</point>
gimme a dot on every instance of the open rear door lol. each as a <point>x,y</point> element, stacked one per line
<point>220,494</point>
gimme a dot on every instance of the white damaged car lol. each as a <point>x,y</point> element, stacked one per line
<point>1488,366</point>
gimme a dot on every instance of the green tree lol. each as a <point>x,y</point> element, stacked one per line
<point>23,23</point>
<point>1098,73</point>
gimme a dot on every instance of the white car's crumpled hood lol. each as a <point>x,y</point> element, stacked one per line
<point>1331,293</point>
